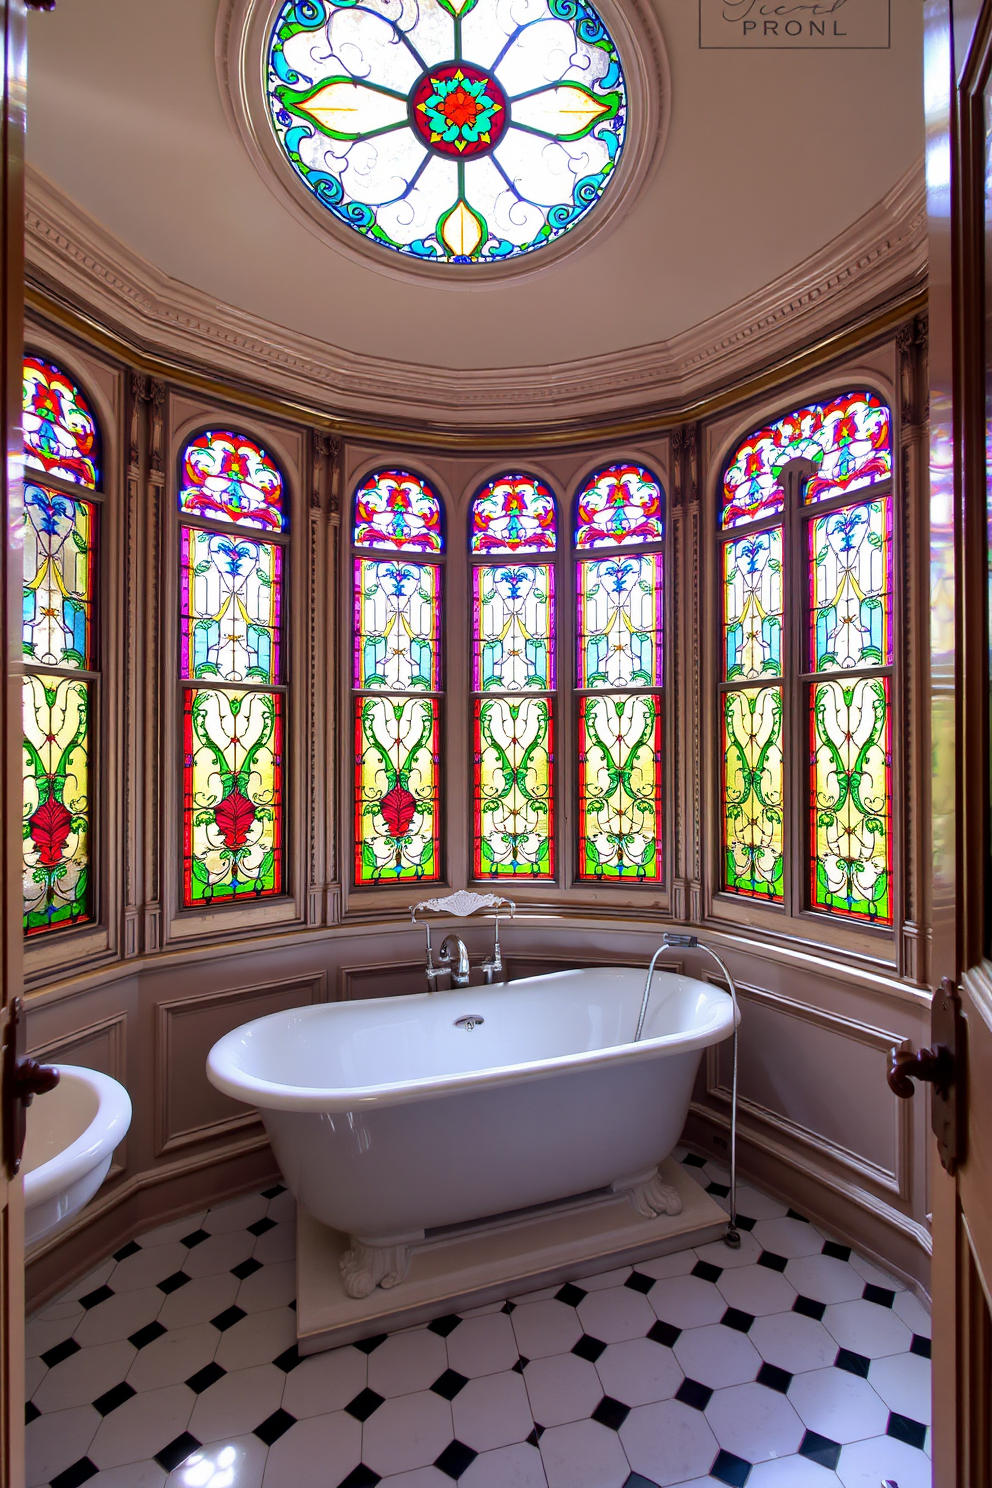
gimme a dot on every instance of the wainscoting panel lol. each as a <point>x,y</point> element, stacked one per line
<point>188,1108</point>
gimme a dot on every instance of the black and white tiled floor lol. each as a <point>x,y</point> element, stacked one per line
<point>791,1363</point>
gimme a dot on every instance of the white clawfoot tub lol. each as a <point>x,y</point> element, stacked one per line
<point>400,1115</point>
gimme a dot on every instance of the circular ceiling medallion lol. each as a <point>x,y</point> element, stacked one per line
<point>466,132</point>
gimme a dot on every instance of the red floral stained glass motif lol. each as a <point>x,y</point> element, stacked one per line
<point>230,478</point>
<point>513,514</point>
<point>459,110</point>
<point>56,804</point>
<point>60,433</point>
<point>621,506</point>
<point>848,440</point>
<point>232,782</point>
<point>396,784</point>
<point>397,510</point>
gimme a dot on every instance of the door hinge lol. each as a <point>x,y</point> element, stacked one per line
<point>943,1066</point>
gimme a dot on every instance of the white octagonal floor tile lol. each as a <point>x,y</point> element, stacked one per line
<point>173,1357</point>
<point>199,1301</point>
<point>237,1462</point>
<point>874,1274</point>
<point>788,1237</point>
<point>639,1372</point>
<point>687,1301</point>
<point>758,1205</point>
<point>543,1328</point>
<point>236,1404</point>
<point>792,1472</point>
<point>866,1464</point>
<point>717,1356</point>
<point>677,1263</point>
<point>219,1254</point>
<point>55,1442</point>
<point>616,1314</point>
<point>142,1426</point>
<point>407,1362</point>
<point>824,1278</point>
<point>903,1382</point>
<point>257,1338</point>
<point>79,1380</point>
<point>237,1215</point>
<point>867,1329</point>
<point>518,1466</point>
<point>315,1453</point>
<point>119,1316</point>
<point>838,1405</point>
<point>492,1411</point>
<point>728,1259</point>
<point>167,1234</point>
<point>563,1388</point>
<point>406,1432</point>
<point>913,1313</point>
<point>668,1442</point>
<point>482,1345</point>
<point>757,1289</point>
<point>754,1422</point>
<point>793,1342</point>
<point>148,1267</point>
<point>272,1286</point>
<point>583,1455</point>
<point>325,1382</point>
<point>134,1475</point>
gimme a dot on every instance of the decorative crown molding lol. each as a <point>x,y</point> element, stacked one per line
<point>75,259</point>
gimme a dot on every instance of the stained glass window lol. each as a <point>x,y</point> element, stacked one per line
<point>397,510</point>
<point>232,788</point>
<point>61,681</point>
<point>843,627</point>
<point>618,632</point>
<point>513,653</point>
<point>60,432</point>
<point>847,439</point>
<point>514,514</point>
<point>230,478</point>
<point>449,131</point>
<point>56,802</point>
<point>396,677</point>
<point>231,636</point>
<point>621,506</point>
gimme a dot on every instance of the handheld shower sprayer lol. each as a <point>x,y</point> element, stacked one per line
<point>670,942</point>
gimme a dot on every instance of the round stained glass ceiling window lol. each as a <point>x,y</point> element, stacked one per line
<point>451,131</point>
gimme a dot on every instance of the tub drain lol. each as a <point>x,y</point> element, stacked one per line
<point>470,1021</point>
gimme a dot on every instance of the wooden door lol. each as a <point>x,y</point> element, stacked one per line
<point>11,340</point>
<point>958,91</point>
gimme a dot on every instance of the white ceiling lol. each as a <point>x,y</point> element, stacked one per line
<point>769,156</point>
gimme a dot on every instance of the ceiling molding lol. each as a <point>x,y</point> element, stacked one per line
<point>882,255</point>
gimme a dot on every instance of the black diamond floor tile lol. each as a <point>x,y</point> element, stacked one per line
<point>535,1436</point>
<point>809,1308</point>
<point>274,1426</point>
<point>146,1335</point>
<point>706,1272</point>
<point>111,1399</point>
<point>775,1378</point>
<point>636,1481</point>
<point>364,1403</point>
<point>194,1238</point>
<point>442,1326</point>
<point>368,1345</point>
<point>920,1346</point>
<point>772,1261</point>
<point>228,1318</point>
<point>261,1225</point>
<point>508,1307</point>
<point>839,1252</point>
<point>692,1161</point>
<point>820,1449</point>
<point>129,1249</point>
<point>174,1282</point>
<point>274,1192</point>
<point>853,1363</point>
<point>360,1477</point>
<point>791,1214</point>
<point>638,1282</point>
<point>288,1359</point>
<point>93,1299</point>
<point>879,1295</point>
<point>520,1365</point>
<point>739,1321</point>
<point>691,1392</point>
<point>177,1451</point>
<point>719,1190</point>
<point>31,1413</point>
<point>731,1470</point>
<point>448,1384</point>
<point>905,1429</point>
<point>79,1472</point>
<point>745,1222</point>
<point>455,1458</point>
<point>589,1348</point>
<point>247,1268</point>
<point>611,1413</point>
<point>60,1351</point>
<point>205,1377</point>
<point>570,1295</point>
<point>664,1333</point>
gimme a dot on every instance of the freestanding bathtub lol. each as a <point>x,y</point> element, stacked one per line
<point>397,1116</point>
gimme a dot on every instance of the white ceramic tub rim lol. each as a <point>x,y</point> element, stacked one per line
<point>107,1129</point>
<point>226,1075</point>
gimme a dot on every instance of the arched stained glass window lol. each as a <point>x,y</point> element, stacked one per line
<point>60,433</point>
<point>229,478</point>
<point>397,541</point>
<point>451,131</point>
<point>61,655</point>
<point>839,677</point>
<point>620,506</point>
<point>847,440</point>
<point>231,669</point>
<point>513,678</point>
<point>619,632</point>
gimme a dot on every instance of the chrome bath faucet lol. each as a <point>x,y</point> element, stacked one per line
<point>453,951</point>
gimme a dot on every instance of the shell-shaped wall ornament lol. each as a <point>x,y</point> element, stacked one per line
<point>461,904</point>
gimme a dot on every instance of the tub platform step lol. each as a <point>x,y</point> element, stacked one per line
<point>485,1264</point>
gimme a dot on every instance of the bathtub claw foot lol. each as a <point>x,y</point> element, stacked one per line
<point>364,1267</point>
<point>653,1197</point>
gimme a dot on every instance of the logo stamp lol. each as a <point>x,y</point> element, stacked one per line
<point>791,25</point>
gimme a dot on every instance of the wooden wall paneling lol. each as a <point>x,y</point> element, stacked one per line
<point>133,666</point>
<point>154,758</point>
<point>381,979</point>
<point>188,1109</point>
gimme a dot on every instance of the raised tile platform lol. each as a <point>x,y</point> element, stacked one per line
<point>468,1269</point>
